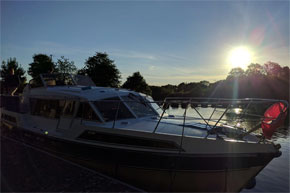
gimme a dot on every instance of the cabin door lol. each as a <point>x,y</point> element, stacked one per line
<point>66,116</point>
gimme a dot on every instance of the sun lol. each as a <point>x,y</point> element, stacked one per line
<point>240,57</point>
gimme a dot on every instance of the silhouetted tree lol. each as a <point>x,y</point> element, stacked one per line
<point>81,71</point>
<point>63,65</point>
<point>285,73</point>
<point>255,69</point>
<point>102,70</point>
<point>161,92</point>
<point>181,88</point>
<point>137,83</point>
<point>235,73</point>
<point>41,64</point>
<point>272,69</point>
<point>257,82</point>
<point>204,83</point>
<point>12,73</point>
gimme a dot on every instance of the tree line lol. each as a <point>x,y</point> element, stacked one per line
<point>269,80</point>
<point>99,67</point>
<point>257,81</point>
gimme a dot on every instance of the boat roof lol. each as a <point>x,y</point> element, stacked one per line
<point>60,85</point>
<point>90,93</point>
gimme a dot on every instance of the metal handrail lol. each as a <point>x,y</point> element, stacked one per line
<point>231,103</point>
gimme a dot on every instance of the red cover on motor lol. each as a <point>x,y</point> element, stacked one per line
<point>273,118</point>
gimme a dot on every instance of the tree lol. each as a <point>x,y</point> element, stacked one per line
<point>63,65</point>
<point>6,75</point>
<point>204,83</point>
<point>81,71</point>
<point>102,70</point>
<point>137,83</point>
<point>161,92</point>
<point>236,73</point>
<point>285,74</point>
<point>41,64</point>
<point>255,69</point>
<point>273,69</point>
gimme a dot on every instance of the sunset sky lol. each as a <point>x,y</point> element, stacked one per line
<point>169,42</point>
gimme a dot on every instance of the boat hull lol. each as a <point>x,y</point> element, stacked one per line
<point>154,171</point>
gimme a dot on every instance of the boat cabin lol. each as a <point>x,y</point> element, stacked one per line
<point>64,95</point>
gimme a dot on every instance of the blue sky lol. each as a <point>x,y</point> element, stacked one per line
<point>169,42</point>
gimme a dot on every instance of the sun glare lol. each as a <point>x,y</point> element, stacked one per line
<point>240,57</point>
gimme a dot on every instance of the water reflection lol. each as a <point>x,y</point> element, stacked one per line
<point>235,117</point>
<point>275,176</point>
<point>231,117</point>
<point>282,132</point>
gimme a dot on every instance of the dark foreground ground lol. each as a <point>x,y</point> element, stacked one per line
<point>26,169</point>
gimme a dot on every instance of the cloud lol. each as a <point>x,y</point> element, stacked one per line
<point>161,58</point>
<point>132,54</point>
<point>60,49</point>
<point>151,68</point>
<point>157,69</point>
<point>175,75</point>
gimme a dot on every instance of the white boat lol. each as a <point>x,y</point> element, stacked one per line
<point>127,135</point>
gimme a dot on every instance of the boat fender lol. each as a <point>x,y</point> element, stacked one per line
<point>274,118</point>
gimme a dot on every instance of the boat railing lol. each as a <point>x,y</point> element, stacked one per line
<point>221,103</point>
<point>221,112</point>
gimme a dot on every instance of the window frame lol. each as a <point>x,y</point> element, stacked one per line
<point>101,120</point>
<point>121,101</point>
<point>149,106</point>
<point>41,100</point>
<point>128,107</point>
<point>62,113</point>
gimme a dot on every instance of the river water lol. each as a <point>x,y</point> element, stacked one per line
<point>275,176</point>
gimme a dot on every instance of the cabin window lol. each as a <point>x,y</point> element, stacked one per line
<point>109,109</point>
<point>86,112</point>
<point>32,103</point>
<point>139,105</point>
<point>68,109</point>
<point>45,108</point>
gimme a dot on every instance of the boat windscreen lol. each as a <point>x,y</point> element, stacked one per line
<point>113,109</point>
<point>139,105</point>
<point>83,80</point>
<point>86,112</point>
<point>155,106</point>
